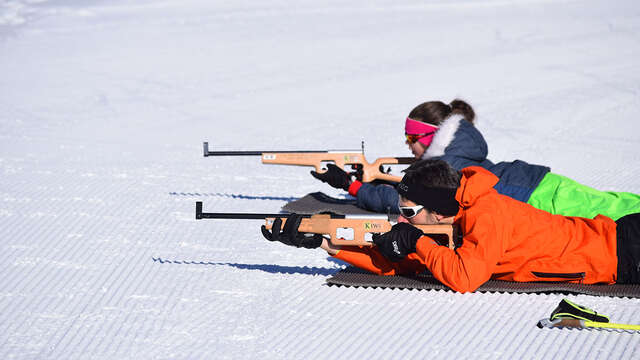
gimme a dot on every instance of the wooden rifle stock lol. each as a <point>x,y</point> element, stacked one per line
<point>344,230</point>
<point>370,171</point>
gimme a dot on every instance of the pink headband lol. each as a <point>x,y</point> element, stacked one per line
<point>415,127</point>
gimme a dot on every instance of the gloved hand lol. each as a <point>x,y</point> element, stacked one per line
<point>358,172</point>
<point>400,241</point>
<point>335,177</point>
<point>290,234</point>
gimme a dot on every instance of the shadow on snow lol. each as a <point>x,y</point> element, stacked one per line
<point>236,196</point>
<point>274,269</point>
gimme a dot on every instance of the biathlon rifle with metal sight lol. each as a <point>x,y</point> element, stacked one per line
<point>365,171</point>
<point>343,230</point>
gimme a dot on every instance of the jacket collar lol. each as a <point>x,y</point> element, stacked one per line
<point>443,137</point>
<point>475,183</point>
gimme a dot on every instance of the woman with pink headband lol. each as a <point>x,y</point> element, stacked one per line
<point>435,130</point>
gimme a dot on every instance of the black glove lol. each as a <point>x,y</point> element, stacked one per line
<point>400,241</point>
<point>335,177</point>
<point>290,235</point>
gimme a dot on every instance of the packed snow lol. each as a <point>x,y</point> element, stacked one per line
<point>104,106</point>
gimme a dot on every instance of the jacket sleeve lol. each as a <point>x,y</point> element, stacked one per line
<point>370,259</point>
<point>378,198</point>
<point>470,265</point>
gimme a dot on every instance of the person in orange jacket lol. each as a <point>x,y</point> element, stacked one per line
<point>502,238</point>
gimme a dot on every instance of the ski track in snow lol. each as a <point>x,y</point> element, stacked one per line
<point>104,106</point>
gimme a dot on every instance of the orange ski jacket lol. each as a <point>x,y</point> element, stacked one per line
<point>505,239</point>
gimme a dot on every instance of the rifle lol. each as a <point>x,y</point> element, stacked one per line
<point>317,158</point>
<point>349,230</point>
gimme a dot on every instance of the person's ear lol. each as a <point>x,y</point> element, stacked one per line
<point>444,219</point>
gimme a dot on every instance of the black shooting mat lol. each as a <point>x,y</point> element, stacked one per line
<point>352,276</point>
<point>318,202</point>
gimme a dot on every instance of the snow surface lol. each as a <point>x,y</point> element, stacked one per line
<point>103,109</point>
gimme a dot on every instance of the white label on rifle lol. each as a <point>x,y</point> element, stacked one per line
<point>344,233</point>
<point>269,156</point>
<point>368,237</point>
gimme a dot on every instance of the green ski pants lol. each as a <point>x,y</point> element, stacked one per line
<point>558,194</point>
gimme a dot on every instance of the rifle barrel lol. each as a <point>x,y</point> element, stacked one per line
<point>206,152</point>
<point>257,216</point>
<point>233,153</point>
